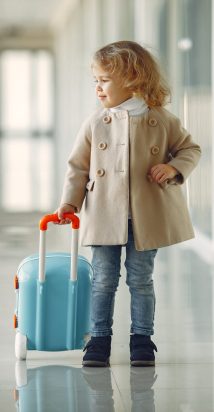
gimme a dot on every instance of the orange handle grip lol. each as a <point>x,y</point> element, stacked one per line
<point>75,222</point>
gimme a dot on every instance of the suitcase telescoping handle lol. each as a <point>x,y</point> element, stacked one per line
<point>74,243</point>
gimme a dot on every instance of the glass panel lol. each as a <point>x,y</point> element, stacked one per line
<point>26,185</point>
<point>15,93</point>
<point>16,190</point>
<point>26,130</point>
<point>43,168</point>
<point>44,90</point>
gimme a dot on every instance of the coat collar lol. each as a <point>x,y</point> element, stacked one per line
<point>135,106</point>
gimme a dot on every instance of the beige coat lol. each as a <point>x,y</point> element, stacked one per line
<point>108,173</point>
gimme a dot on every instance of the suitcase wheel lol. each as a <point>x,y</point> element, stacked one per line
<point>20,346</point>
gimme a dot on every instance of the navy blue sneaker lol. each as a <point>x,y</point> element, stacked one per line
<point>98,351</point>
<point>142,350</point>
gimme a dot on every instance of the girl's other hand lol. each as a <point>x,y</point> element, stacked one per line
<point>66,208</point>
<point>162,172</point>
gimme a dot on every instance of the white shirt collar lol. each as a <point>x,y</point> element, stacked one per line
<point>135,106</point>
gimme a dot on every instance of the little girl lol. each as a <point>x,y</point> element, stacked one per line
<point>124,174</point>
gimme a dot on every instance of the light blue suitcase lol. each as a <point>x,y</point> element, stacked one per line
<point>52,297</point>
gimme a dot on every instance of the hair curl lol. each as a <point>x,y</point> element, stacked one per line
<point>137,69</point>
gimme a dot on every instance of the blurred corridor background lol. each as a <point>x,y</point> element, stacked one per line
<point>46,91</point>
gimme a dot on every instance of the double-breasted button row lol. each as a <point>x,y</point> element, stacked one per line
<point>155,150</point>
<point>107,119</point>
<point>152,122</point>
<point>102,145</point>
<point>100,172</point>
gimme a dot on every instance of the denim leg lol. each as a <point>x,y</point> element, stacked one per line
<point>139,266</point>
<point>106,273</point>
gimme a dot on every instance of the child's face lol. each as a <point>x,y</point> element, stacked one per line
<point>108,88</point>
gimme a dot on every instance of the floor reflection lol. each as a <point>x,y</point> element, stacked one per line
<point>142,392</point>
<point>99,385</point>
<point>53,388</point>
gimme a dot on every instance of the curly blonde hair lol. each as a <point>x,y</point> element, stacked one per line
<point>137,69</point>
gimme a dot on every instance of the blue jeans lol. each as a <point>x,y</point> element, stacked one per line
<point>139,265</point>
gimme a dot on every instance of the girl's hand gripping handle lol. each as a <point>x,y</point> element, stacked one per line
<point>74,244</point>
<point>54,218</point>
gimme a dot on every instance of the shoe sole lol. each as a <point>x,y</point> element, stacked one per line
<point>99,364</point>
<point>142,363</point>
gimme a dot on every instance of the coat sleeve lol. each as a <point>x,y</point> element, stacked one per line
<point>184,152</point>
<point>77,174</point>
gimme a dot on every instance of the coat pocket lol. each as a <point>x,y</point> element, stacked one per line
<point>90,185</point>
<point>164,185</point>
<point>177,180</point>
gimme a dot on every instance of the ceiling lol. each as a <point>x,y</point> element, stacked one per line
<point>17,16</point>
<point>28,13</point>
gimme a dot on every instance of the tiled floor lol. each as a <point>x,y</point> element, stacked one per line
<point>182,380</point>
<point>64,386</point>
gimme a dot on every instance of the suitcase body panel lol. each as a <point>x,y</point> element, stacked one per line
<point>54,314</point>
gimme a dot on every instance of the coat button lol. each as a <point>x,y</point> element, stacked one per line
<point>100,172</point>
<point>107,119</point>
<point>102,145</point>
<point>155,150</point>
<point>152,122</point>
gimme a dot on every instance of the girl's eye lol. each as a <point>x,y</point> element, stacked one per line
<point>101,81</point>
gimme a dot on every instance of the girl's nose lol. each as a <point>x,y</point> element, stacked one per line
<point>98,87</point>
